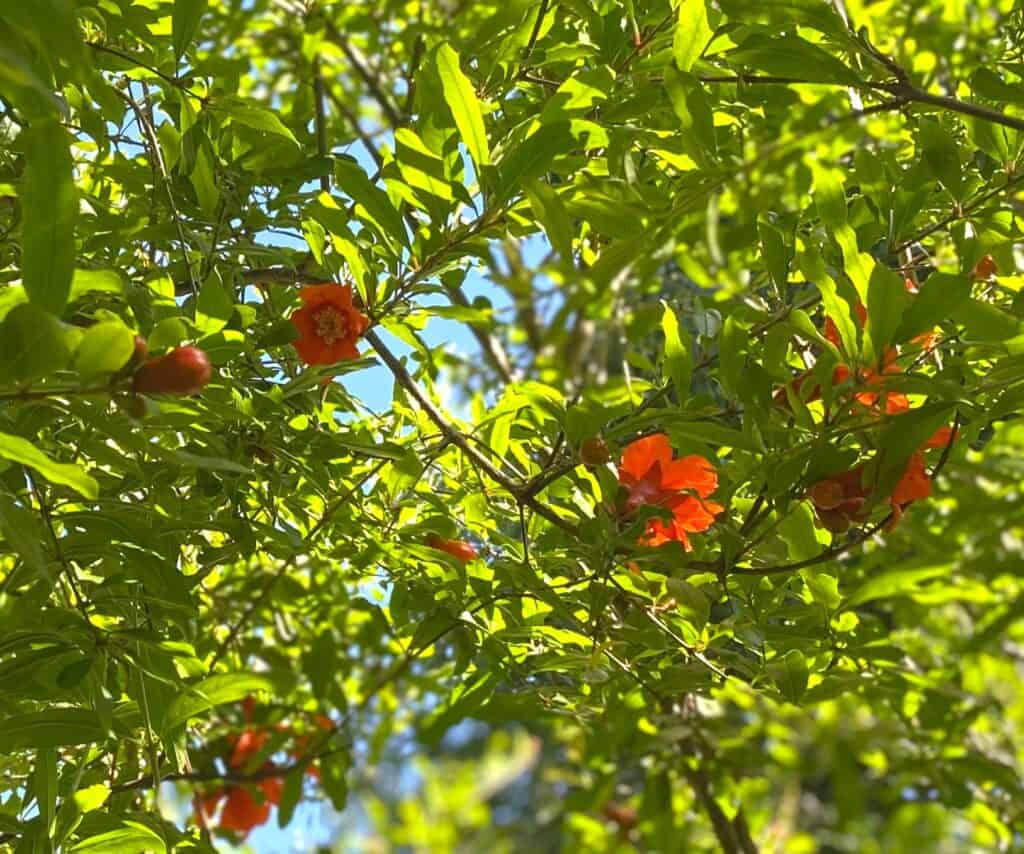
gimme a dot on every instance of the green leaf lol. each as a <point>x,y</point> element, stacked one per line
<point>897,582</point>
<point>212,692</point>
<point>185,20</point>
<point>462,101</point>
<point>940,296</point>
<point>531,158</point>
<point>20,529</point>
<point>44,783</point>
<point>214,306</point>
<point>49,203</point>
<point>578,95</point>
<point>983,321</point>
<point>133,838</point>
<point>887,300</point>
<point>941,154</point>
<point>334,778</point>
<point>96,281</point>
<point>792,56</point>
<point>829,196</point>
<point>372,203</point>
<point>291,793</point>
<point>550,211</point>
<point>55,727</point>
<point>32,344</point>
<point>19,450</point>
<point>692,34</point>
<point>678,358</point>
<point>790,675</point>
<point>252,116</point>
<point>691,601</point>
<point>104,349</point>
<point>690,104</point>
<point>903,435</point>
<point>92,797</point>
<point>798,532</point>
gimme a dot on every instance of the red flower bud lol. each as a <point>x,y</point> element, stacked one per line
<point>183,371</point>
<point>595,451</point>
<point>458,549</point>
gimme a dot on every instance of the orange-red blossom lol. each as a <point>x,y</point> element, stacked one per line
<point>873,395</point>
<point>244,809</point>
<point>329,324</point>
<point>839,501</point>
<point>652,477</point>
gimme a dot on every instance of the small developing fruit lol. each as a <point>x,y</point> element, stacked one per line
<point>461,551</point>
<point>183,371</point>
<point>985,269</point>
<point>595,451</point>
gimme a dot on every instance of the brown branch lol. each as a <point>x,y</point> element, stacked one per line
<point>908,91</point>
<point>320,120</point>
<point>962,212</point>
<point>457,438</point>
<point>134,60</point>
<point>362,67</point>
<point>287,564</point>
<point>532,43</point>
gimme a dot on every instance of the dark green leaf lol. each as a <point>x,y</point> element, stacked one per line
<point>49,203</point>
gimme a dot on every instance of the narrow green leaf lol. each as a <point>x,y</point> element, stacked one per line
<point>291,793</point>
<point>897,582</point>
<point>252,116</point>
<point>790,675</point>
<point>49,204</point>
<point>44,782</point>
<point>531,158</point>
<point>96,281</point>
<point>887,300</point>
<point>19,450</point>
<point>50,728</point>
<point>185,20</point>
<point>20,530</point>
<point>678,358</point>
<point>692,33</point>
<point>463,103</point>
<point>792,56</point>
<point>212,692</point>
<point>372,203</point>
<point>551,212</point>
<point>133,838</point>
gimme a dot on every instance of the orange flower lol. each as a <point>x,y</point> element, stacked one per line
<point>914,485</point>
<point>839,500</point>
<point>329,324</point>
<point>245,746</point>
<point>242,812</point>
<point>653,477</point>
<point>940,438</point>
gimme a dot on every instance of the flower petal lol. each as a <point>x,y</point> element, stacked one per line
<point>692,472</point>
<point>641,455</point>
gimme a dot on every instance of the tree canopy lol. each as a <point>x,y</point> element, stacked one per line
<point>511,425</point>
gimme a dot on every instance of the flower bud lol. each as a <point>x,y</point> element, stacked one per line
<point>595,452</point>
<point>458,549</point>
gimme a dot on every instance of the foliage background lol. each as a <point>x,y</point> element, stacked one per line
<point>565,218</point>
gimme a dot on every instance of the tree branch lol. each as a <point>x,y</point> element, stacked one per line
<point>457,438</point>
<point>362,67</point>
